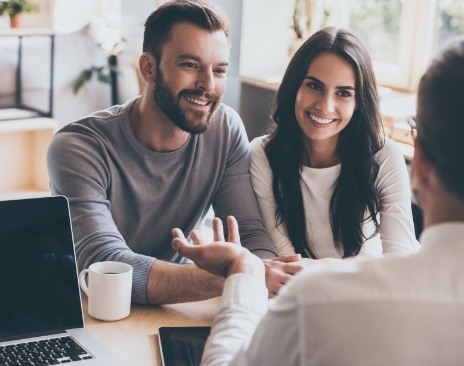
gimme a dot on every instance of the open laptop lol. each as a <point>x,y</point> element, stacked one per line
<point>40,303</point>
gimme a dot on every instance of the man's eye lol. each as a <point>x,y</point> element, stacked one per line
<point>220,71</point>
<point>190,65</point>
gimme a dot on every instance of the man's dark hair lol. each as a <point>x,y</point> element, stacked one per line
<point>440,116</point>
<point>198,12</point>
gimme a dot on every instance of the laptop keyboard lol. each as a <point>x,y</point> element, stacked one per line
<point>53,351</point>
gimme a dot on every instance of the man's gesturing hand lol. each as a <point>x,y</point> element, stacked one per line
<point>219,257</point>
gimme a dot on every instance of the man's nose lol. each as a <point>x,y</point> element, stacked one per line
<point>206,81</point>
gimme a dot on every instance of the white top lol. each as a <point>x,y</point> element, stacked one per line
<point>392,311</point>
<point>396,231</point>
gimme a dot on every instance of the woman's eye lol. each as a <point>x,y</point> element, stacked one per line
<point>344,93</point>
<point>314,86</point>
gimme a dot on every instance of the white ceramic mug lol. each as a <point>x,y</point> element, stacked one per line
<point>109,289</point>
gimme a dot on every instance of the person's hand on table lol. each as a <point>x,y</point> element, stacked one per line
<point>279,270</point>
<point>219,257</point>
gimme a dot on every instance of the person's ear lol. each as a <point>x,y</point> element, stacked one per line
<point>147,66</point>
<point>422,170</point>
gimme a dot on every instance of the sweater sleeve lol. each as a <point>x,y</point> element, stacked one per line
<point>77,170</point>
<point>235,194</point>
<point>261,178</point>
<point>396,224</point>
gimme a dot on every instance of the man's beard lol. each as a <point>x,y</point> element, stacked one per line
<point>169,103</point>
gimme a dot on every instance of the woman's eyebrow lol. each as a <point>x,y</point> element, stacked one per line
<point>309,77</point>
<point>314,79</point>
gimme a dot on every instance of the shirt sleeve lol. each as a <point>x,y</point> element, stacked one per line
<point>236,339</point>
<point>396,223</point>
<point>235,194</point>
<point>261,179</point>
<point>77,170</point>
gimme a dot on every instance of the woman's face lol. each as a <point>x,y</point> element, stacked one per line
<point>326,99</point>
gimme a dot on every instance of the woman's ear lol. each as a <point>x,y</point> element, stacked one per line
<point>147,65</point>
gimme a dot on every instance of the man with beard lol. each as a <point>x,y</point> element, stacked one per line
<point>135,171</point>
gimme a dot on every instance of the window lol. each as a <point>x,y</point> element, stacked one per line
<point>385,29</point>
<point>401,35</point>
<point>451,21</point>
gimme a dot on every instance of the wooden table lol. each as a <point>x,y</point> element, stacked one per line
<point>135,338</point>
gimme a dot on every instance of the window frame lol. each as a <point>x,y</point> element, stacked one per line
<point>417,38</point>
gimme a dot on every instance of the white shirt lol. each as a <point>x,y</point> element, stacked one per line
<point>396,229</point>
<point>400,311</point>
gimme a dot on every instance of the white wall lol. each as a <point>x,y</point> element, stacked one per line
<point>265,24</point>
<point>134,14</point>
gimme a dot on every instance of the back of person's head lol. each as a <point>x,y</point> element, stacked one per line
<point>347,46</point>
<point>440,116</point>
<point>198,12</point>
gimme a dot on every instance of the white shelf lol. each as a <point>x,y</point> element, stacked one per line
<point>18,120</point>
<point>23,150</point>
<point>20,194</point>
<point>16,32</point>
<point>264,82</point>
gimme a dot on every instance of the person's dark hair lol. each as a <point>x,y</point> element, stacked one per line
<point>355,193</point>
<point>201,13</point>
<point>439,120</point>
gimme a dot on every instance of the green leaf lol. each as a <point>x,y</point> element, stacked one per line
<point>83,77</point>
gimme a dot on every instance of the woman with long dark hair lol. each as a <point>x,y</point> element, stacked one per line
<point>329,185</point>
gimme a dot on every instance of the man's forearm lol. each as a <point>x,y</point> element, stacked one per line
<point>170,283</point>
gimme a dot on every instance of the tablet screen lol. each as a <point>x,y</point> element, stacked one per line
<point>182,346</point>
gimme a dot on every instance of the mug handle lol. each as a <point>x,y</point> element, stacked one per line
<point>82,281</point>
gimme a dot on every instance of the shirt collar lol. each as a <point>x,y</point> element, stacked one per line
<point>449,234</point>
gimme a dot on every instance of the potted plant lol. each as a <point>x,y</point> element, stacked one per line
<point>301,22</point>
<point>16,8</point>
<point>3,7</point>
<point>308,17</point>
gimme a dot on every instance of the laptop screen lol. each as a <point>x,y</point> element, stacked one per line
<point>39,292</point>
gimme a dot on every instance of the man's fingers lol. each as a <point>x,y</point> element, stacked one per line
<point>177,233</point>
<point>179,242</point>
<point>181,245</point>
<point>288,258</point>
<point>218,229</point>
<point>196,238</point>
<point>232,225</point>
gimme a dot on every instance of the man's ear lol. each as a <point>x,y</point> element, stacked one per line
<point>147,66</point>
<point>422,170</point>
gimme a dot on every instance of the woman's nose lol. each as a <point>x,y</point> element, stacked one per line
<point>326,104</point>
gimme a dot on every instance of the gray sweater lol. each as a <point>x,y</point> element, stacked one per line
<point>125,199</point>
